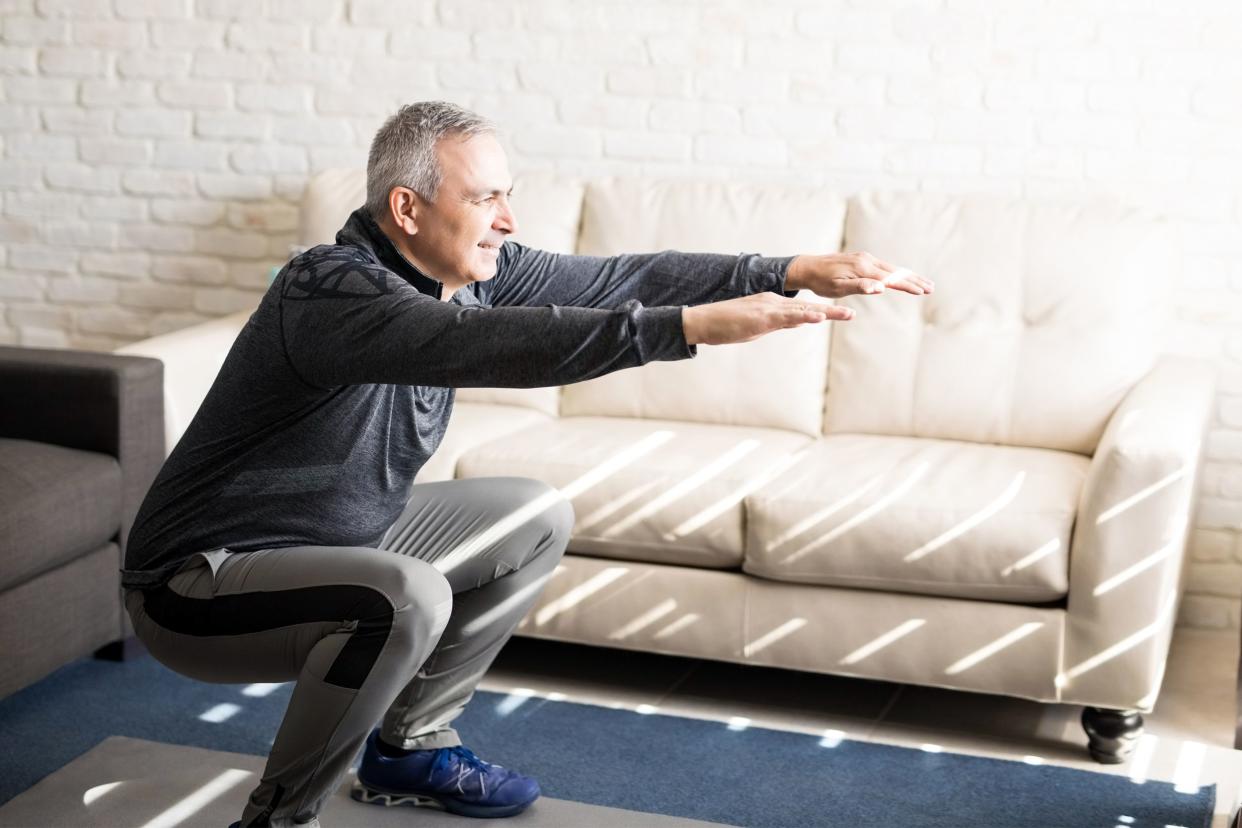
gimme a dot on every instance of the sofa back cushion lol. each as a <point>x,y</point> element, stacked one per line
<point>548,210</point>
<point>776,381</point>
<point>1042,319</point>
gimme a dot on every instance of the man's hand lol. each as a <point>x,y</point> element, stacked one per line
<point>843,274</point>
<point>750,317</point>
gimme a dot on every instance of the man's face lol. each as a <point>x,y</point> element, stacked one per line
<point>459,236</point>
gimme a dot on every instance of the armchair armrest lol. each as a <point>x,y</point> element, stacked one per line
<point>1126,556</point>
<point>92,401</point>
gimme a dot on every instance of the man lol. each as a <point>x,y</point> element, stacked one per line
<point>283,538</point>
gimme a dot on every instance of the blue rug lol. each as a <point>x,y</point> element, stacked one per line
<point>652,763</point>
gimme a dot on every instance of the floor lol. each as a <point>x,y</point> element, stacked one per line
<point>1188,738</point>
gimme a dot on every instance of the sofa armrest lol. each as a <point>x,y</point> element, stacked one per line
<point>91,401</point>
<point>1130,536</point>
<point>192,358</point>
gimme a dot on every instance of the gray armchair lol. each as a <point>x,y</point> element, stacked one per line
<point>81,439</point>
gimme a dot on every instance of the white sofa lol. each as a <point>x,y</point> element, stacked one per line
<point>988,488</point>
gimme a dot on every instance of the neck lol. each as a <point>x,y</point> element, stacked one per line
<point>401,241</point>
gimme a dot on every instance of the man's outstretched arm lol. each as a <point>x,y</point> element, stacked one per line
<point>526,276</point>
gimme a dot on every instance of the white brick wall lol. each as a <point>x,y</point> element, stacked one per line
<point>152,151</point>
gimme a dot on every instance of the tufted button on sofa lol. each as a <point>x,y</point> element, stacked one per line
<point>988,488</point>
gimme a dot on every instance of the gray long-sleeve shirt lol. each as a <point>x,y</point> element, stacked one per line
<point>340,385</point>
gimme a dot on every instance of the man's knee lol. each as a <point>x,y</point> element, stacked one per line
<point>421,594</point>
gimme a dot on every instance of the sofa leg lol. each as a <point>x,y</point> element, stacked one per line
<point>1111,734</point>
<point>121,650</point>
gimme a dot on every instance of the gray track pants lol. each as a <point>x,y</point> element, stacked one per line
<point>365,632</point>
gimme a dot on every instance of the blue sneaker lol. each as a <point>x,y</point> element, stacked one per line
<point>451,779</point>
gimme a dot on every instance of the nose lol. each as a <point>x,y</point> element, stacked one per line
<point>506,221</point>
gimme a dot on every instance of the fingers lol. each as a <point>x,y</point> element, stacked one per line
<point>802,313</point>
<point>878,274</point>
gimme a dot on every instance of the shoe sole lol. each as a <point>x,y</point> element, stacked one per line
<point>391,799</point>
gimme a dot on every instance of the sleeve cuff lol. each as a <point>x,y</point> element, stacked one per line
<point>769,273</point>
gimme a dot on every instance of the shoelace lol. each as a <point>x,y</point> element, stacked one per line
<point>467,763</point>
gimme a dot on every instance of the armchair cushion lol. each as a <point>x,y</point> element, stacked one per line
<point>56,504</point>
<point>935,517</point>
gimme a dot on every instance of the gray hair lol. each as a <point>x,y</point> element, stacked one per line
<point>403,152</point>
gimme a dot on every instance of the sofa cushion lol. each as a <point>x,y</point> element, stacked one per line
<point>935,517</point>
<point>1045,314</point>
<point>774,382</point>
<point>470,425</point>
<point>56,504</point>
<point>645,490</point>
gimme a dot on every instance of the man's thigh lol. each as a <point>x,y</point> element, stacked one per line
<point>478,529</point>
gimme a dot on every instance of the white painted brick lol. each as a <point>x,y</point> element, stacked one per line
<point>803,56</point>
<point>272,97</point>
<point>82,178</point>
<point>206,156</point>
<point>110,34</point>
<point>808,152</point>
<point>152,238</point>
<point>263,218</point>
<point>648,81</point>
<point>153,9</point>
<point>193,270</point>
<point>337,40</point>
<point>992,128</point>
<point>349,101</point>
<point>1139,97</point>
<point>36,337</point>
<point>1088,131</point>
<point>936,159</point>
<point>160,297</point>
<point>1221,101</point>
<point>18,175</point>
<point>230,244</point>
<point>253,275</point>
<point>229,65</point>
<point>475,75</point>
<point>1220,513</point>
<point>76,120</point>
<point>318,11</point>
<point>1149,32</point>
<point>1224,445</point>
<point>329,158</point>
<point>195,34</point>
<point>1136,165</point>
<point>71,61</point>
<point>117,93</point>
<point>229,9</point>
<point>408,13</point>
<point>836,24</point>
<point>42,147</point>
<point>773,120</point>
<point>149,65</point>
<point>579,111</point>
<point>900,125</point>
<point>153,123</point>
<point>1231,411</point>
<point>599,47</point>
<point>890,58</point>
<point>740,86</point>
<point>196,94</point>
<point>839,90</point>
<point>939,90</point>
<point>18,61</point>
<point>37,204</point>
<point>128,265</point>
<point>114,321</point>
<point>74,8</point>
<point>19,31</point>
<point>985,58</point>
<point>222,301</point>
<point>38,315</point>
<point>278,249</point>
<point>267,36</point>
<point>232,125</point>
<point>701,51</point>
<point>1212,545</point>
<point>268,158</point>
<point>1035,29</point>
<point>302,68</point>
<point>740,19</point>
<point>82,289</point>
<point>646,145</point>
<point>41,259</point>
<point>936,24</point>
<point>488,45</point>
<point>1205,612</point>
<point>1087,64</point>
<point>1042,162</point>
<point>739,149</point>
<point>169,321</point>
<point>693,116</point>
<point>60,234</point>
<point>195,212</point>
<point>232,186</point>
<point>559,141</point>
<point>1041,96</point>
<point>124,152</point>
<point>15,285</point>
<point>40,90</point>
<point>647,18</point>
<point>1177,135</point>
<point>497,13</point>
<point>99,342</point>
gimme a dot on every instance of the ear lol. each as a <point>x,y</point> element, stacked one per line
<point>403,208</point>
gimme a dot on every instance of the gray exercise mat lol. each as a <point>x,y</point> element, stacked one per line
<point>127,783</point>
